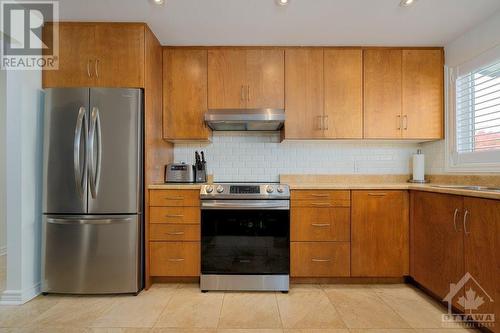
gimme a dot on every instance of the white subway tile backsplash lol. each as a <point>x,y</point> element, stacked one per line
<point>245,156</point>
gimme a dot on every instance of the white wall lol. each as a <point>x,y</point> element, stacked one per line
<point>23,185</point>
<point>247,156</point>
<point>469,45</point>
<point>3,227</point>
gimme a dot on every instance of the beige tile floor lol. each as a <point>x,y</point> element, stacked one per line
<point>183,308</point>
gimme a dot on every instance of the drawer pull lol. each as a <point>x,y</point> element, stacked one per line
<point>320,260</point>
<point>176,259</point>
<point>173,198</point>
<point>377,194</point>
<point>320,224</point>
<point>321,204</point>
<point>174,215</point>
<point>175,233</point>
<point>320,195</point>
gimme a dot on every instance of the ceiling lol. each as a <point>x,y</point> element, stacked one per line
<point>302,22</point>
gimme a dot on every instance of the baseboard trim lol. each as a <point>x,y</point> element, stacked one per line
<point>3,250</point>
<point>18,297</point>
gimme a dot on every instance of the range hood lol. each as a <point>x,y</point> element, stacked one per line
<point>245,119</point>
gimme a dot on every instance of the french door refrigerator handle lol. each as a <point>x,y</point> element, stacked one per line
<point>79,174</point>
<point>78,221</point>
<point>95,166</point>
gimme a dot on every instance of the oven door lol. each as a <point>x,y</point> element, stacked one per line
<point>245,237</point>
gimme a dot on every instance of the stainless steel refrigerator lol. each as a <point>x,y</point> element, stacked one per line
<point>93,191</point>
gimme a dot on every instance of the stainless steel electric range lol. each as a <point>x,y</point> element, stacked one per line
<point>245,237</point>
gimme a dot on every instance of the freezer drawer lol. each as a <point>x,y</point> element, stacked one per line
<point>91,254</point>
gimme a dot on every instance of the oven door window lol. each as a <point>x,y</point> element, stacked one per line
<point>245,242</point>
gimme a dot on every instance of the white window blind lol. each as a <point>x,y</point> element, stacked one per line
<point>477,110</point>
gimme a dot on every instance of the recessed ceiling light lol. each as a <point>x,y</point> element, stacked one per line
<point>158,2</point>
<point>406,3</point>
<point>282,2</point>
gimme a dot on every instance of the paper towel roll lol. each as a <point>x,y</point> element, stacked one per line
<point>419,167</point>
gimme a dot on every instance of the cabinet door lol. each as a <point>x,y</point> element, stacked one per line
<point>481,253</point>
<point>382,94</point>
<point>76,56</point>
<point>343,94</point>
<point>319,259</point>
<point>437,242</point>
<point>304,93</point>
<point>227,79</point>
<point>423,94</point>
<point>379,237</point>
<point>184,94</point>
<point>320,224</point>
<point>265,79</point>
<point>120,55</point>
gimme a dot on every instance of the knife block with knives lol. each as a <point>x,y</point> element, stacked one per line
<point>200,167</point>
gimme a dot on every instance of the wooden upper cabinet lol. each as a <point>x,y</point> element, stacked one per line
<point>265,78</point>
<point>343,73</point>
<point>227,79</point>
<point>423,91</point>
<point>379,236</point>
<point>184,94</point>
<point>120,55</point>
<point>99,55</point>
<point>382,93</point>
<point>304,93</point>
<point>246,78</point>
<point>437,243</point>
<point>76,56</point>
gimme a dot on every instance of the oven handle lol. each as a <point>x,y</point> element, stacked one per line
<point>245,204</point>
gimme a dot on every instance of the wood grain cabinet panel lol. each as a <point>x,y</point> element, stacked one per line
<point>320,224</point>
<point>304,93</point>
<point>181,259</point>
<point>437,243</point>
<point>174,232</point>
<point>343,73</point>
<point>382,93</point>
<point>481,253</point>
<point>380,234</point>
<point>423,93</point>
<point>320,199</point>
<point>76,56</point>
<point>185,94</point>
<point>184,215</point>
<point>320,259</point>
<point>174,198</point>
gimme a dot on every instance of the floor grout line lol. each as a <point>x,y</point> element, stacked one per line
<point>220,311</point>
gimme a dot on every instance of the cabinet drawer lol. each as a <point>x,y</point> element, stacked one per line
<point>318,199</point>
<point>320,259</point>
<point>175,198</point>
<point>174,232</point>
<point>320,224</point>
<point>175,258</point>
<point>187,215</point>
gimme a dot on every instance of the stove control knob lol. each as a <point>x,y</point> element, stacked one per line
<point>219,189</point>
<point>209,189</point>
<point>269,189</point>
<point>280,189</point>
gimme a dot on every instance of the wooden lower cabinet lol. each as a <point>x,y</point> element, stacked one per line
<point>379,237</point>
<point>175,198</point>
<point>182,215</point>
<point>320,224</point>
<point>174,232</point>
<point>175,258</point>
<point>320,259</point>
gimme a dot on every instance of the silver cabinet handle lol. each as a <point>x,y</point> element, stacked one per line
<point>320,195</point>
<point>248,93</point>
<point>455,214</point>
<point>320,204</point>
<point>174,215</point>
<point>377,194</point>
<point>95,165</point>
<point>325,123</point>
<point>320,224</point>
<point>79,174</point>
<point>97,68</point>
<point>398,119</point>
<point>89,73</point>
<point>176,233</point>
<point>173,198</point>
<point>176,259</point>
<point>466,214</point>
<point>242,93</point>
<point>320,122</point>
<point>405,122</point>
<point>320,260</point>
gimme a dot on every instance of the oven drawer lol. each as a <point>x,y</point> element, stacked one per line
<point>189,215</point>
<point>174,198</point>
<point>320,224</point>
<point>320,259</point>
<point>174,232</point>
<point>319,199</point>
<point>175,258</point>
